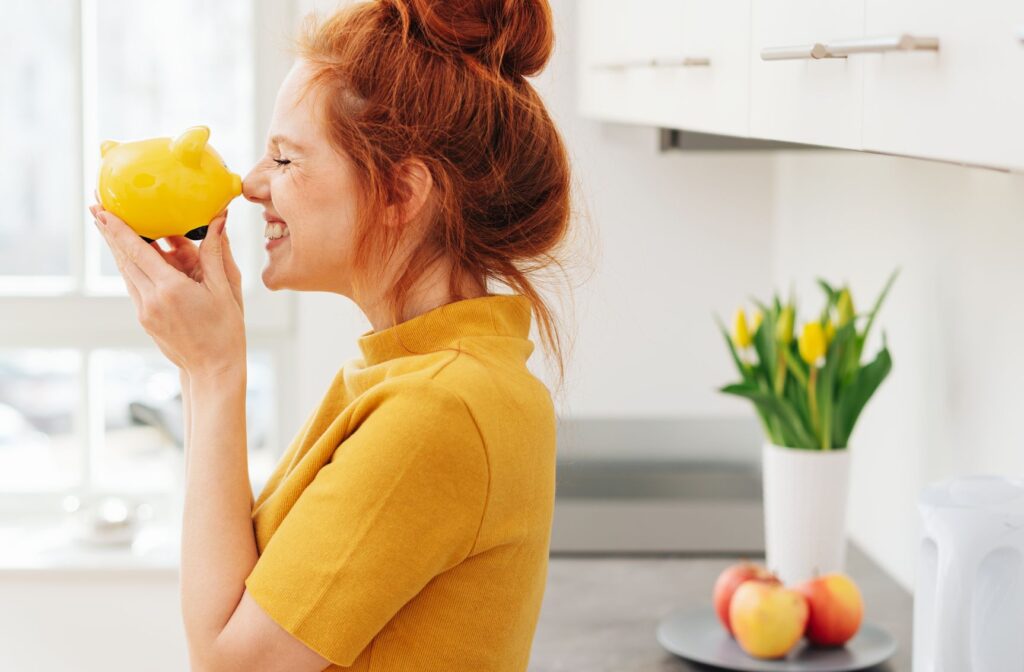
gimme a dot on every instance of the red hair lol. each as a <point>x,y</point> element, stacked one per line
<point>444,82</point>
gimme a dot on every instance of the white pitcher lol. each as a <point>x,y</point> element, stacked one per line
<point>969,597</point>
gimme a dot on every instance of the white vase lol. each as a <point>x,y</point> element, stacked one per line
<point>805,494</point>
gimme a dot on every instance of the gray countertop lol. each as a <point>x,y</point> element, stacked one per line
<point>600,612</point>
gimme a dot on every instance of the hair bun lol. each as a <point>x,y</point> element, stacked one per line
<point>514,36</point>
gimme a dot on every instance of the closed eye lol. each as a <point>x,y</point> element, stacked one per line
<point>282,162</point>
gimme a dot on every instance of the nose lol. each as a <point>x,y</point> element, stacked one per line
<point>255,187</point>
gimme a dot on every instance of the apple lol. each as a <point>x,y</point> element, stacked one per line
<point>730,579</point>
<point>768,619</point>
<point>836,608</point>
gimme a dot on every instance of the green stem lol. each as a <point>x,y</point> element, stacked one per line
<point>780,374</point>
<point>812,396</point>
<point>826,423</point>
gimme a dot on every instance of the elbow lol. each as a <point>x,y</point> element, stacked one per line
<point>203,659</point>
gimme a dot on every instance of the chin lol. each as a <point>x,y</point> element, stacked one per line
<point>272,283</point>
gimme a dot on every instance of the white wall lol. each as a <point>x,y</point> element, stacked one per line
<point>952,402</point>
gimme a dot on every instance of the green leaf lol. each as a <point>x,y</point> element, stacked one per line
<point>796,366</point>
<point>764,345</point>
<point>829,292</point>
<point>796,394</point>
<point>827,382</point>
<point>792,429</point>
<point>856,395</point>
<point>877,306</point>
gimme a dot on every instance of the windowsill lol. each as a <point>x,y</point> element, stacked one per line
<point>45,542</point>
<point>41,548</point>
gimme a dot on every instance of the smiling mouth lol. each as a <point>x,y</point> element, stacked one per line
<point>275,230</point>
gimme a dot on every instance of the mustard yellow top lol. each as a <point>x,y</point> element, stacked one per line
<point>407,526</point>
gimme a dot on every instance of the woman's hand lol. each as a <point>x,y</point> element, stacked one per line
<point>188,299</point>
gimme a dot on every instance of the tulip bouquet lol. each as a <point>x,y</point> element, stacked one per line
<point>809,390</point>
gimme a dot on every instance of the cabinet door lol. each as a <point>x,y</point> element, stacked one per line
<point>713,97</point>
<point>803,98</point>
<point>618,41</point>
<point>963,102</point>
<point>670,63</point>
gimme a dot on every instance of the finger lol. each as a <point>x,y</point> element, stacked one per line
<point>170,257</point>
<point>133,291</point>
<point>129,270</point>
<point>234,274</point>
<point>133,274</point>
<point>131,245</point>
<point>211,255</point>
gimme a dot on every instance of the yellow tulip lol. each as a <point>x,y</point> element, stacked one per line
<point>784,327</point>
<point>830,332</point>
<point>812,342</point>
<point>755,323</point>
<point>740,333</point>
<point>845,307</point>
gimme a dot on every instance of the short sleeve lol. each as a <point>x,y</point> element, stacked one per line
<point>400,501</point>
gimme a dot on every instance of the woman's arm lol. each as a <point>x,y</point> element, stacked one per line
<point>186,412</point>
<point>187,423</point>
<point>218,545</point>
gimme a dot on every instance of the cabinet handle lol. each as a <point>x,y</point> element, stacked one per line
<point>874,45</point>
<point>816,50</point>
<point>689,61</point>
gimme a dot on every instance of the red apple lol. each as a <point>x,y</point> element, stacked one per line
<point>836,608</point>
<point>769,619</point>
<point>730,579</point>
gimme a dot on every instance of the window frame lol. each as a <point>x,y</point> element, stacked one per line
<point>69,312</point>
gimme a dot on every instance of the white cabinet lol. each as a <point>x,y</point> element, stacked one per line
<point>964,102</point>
<point>934,79</point>
<point>671,63</point>
<point>616,41</point>
<point>803,97</point>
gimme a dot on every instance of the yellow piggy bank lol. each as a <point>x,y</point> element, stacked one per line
<point>166,187</point>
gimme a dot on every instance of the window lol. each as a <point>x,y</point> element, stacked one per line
<point>87,402</point>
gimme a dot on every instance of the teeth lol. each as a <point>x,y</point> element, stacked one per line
<point>275,230</point>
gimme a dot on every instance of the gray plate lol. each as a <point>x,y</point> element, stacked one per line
<point>697,634</point>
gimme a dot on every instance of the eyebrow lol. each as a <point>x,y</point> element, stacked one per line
<point>282,139</point>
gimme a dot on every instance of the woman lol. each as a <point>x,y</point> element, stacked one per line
<point>407,525</point>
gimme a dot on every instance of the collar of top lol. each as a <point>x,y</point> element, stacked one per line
<point>441,327</point>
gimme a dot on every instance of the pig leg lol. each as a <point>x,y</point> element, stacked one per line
<point>197,234</point>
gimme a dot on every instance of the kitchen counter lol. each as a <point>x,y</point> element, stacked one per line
<point>600,612</point>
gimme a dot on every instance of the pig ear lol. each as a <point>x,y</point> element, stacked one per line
<point>107,146</point>
<point>188,147</point>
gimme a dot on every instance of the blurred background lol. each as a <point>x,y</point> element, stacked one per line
<point>651,456</point>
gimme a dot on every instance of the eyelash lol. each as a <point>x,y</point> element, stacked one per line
<point>282,162</point>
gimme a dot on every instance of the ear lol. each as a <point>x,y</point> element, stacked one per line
<point>415,185</point>
<point>107,146</point>
<point>188,147</point>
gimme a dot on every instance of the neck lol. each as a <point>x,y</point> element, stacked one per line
<point>426,296</point>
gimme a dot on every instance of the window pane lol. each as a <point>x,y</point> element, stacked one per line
<point>143,431</point>
<point>39,395</point>
<point>163,67</point>
<point>38,125</point>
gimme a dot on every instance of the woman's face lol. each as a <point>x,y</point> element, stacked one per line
<point>301,181</point>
